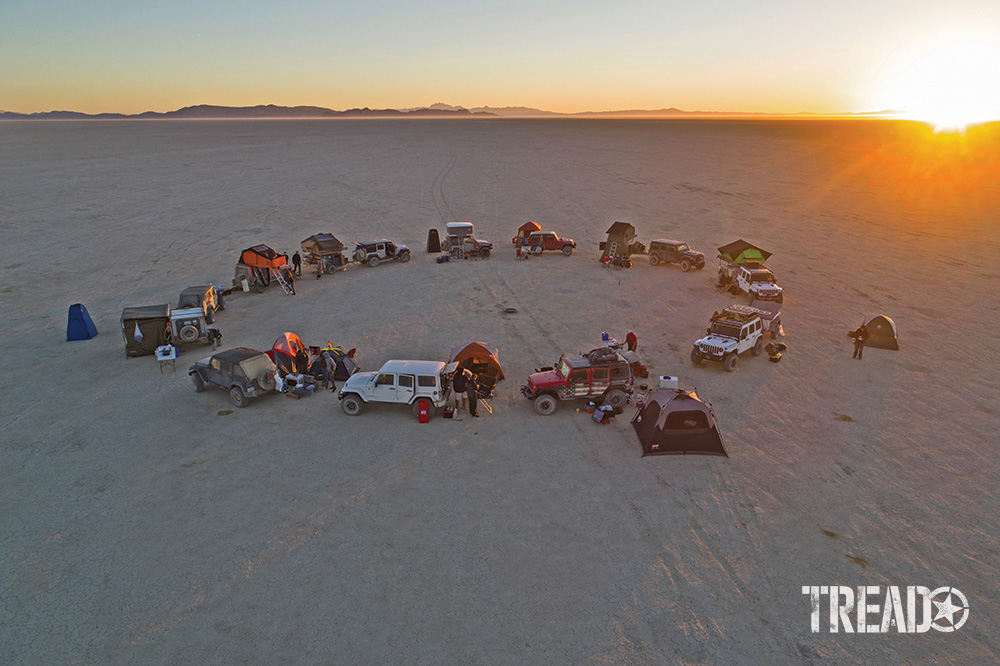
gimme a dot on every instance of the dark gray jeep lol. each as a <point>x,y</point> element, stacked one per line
<point>675,252</point>
<point>245,373</point>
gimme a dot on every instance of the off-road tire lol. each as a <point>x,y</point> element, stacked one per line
<point>696,356</point>
<point>188,333</point>
<point>730,361</point>
<point>485,253</point>
<point>781,299</point>
<point>404,257</point>
<point>654,259</point>
<point>237,397</point>
<point>265,380</point>
<point>536,250</point>
<point>373,260</point>
<point>758,346</point>
<point>199,383</point>
<point>359,256</point>
<point>775,327</point>
<point>210,316</point>
<point>351,404</point>
<point>617,398</point>
<point>685,265</point>
<point>567,251</point>
<point>545,404</point>
<point>416,408</point>
<point>222,302</point>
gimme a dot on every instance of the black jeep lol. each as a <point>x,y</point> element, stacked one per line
<point>675,252</point>
<point>245,373</point>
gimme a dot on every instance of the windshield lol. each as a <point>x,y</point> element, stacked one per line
<point>726,329</point>
<point>761,276</point>
<point>563,368</point>
<point>683,247</point>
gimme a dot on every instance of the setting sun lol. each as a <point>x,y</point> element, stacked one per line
<point>950,86</point>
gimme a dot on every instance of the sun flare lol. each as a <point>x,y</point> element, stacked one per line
<point>949,86</point>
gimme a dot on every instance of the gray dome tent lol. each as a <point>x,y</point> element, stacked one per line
<point>677,422</point>
<point>882,333</point>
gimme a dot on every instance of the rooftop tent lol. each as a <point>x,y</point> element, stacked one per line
<point>882,333</point>
<point>321,244</point>
<point>262,256</point>
<point>481,358</point>
<point>742,252</point>
<point>80,326</point>
<point>145,328</point>
<point>621,229</point>
<point>283,351</point>
<point>677,422</point>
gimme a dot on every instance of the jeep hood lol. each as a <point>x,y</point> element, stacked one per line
<point>765,287</point>
<point>360,380</point>
<point>717,340</point>
<point>694,254</point>
<point>545,379</point>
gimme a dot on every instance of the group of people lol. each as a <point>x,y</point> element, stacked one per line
<point>466,386</point>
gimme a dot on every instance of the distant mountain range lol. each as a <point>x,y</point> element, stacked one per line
<point>439,110</point>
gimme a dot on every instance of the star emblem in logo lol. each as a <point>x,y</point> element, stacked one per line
<point>947,608</point>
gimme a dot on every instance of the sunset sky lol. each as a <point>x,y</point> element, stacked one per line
<point>721,55</point>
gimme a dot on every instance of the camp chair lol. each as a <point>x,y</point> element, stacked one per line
<point>486,387</point>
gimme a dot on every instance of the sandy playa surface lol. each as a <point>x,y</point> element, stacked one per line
<point>142,523</point>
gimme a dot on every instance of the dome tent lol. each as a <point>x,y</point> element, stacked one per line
<point>882,333</point>
<point>479,357</point>
<point>283,352</point>
<point>677,422</point>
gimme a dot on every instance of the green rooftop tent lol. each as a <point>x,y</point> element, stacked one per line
<point>742,252</point>
<point>882,333</point>
<point>677,422</point>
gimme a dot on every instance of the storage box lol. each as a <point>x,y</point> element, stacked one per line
<point>668,382</point>
<point>449,412</point>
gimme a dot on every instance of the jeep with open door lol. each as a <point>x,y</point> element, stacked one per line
<point>601,374</point>
<point>675,252</point>
<point>245,373</point>
<point>399,382</point>
<point>375,252</point>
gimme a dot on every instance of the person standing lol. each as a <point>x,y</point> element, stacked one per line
<point>297,263</point>
<point>302,362</point>
<point>471,390</point>
<point>460,383</point>
<point>860,338</point>
<point>290,279</point>
<point>329,366</point>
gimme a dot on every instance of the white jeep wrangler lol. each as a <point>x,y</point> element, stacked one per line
<point>403,382</point>
<point>758,282</point>
<point>376,251</point>
<point>735,330</point>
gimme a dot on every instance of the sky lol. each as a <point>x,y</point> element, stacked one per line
<point>771,56</point>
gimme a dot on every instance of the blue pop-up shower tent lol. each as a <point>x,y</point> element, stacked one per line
<point>80,326</point>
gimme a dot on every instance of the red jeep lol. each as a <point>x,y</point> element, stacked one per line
<point>599,375</point>
<point>540,241</point>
